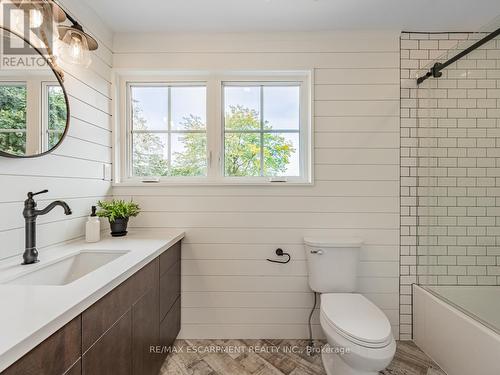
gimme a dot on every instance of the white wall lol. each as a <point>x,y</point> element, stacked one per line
<point>74,172</point>
<point>229,290</point>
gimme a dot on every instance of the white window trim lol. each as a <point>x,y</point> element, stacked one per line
<point>44,105</point>
<point>215,132</point>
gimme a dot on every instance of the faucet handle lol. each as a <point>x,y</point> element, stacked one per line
<point>31,194</point>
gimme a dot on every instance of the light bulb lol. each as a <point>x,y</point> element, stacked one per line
<point>36,18</point>
<point>74,49</point>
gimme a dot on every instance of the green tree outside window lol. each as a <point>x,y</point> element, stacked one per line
<point>242,149</point>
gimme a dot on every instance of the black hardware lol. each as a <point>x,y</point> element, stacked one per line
<point>30,214</point>
<point>76,27</point>
<point>31,195</point>
<point>310,345</point>
<point>280,253</point>
<point>435,71</point>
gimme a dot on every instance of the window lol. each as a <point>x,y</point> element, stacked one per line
<point>217,129</point>
<point>54,108</point>
<point>168,128</point>
<point>262,130</point>
<point>13,102</point>
<point>33,116</point>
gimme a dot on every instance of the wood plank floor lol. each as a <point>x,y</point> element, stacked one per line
<point>274,357</point>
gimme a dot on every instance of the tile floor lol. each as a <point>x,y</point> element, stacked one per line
<point>274,357</point>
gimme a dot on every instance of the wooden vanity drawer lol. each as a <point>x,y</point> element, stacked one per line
<point>112,353</point>
<point>98,318</point>
<point>170,288</point>
<point>171,325</point>
<point>76,369</point>
<point>54,356</point>
<point>170,257</point>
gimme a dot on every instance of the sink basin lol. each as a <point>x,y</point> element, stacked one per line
<point>66,270</point>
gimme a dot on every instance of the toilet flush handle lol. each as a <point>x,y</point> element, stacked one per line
<point>319,252</point>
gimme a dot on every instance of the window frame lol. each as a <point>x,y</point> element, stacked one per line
<point>214,83</point>
<point>44,107</point>
<point>130,131</point>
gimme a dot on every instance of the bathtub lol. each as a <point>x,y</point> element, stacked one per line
<point>459,327</point>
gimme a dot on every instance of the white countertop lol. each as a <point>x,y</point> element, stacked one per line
<point>30,314</point>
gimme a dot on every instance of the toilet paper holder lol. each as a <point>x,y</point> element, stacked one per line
<point>280,253</point>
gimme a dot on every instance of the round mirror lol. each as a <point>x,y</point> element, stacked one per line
<point>34,110</point>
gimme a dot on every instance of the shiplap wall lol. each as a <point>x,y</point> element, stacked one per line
<point>229,289</point>
<point>73,172</point>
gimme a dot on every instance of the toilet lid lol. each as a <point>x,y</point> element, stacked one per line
<point>357,317</point>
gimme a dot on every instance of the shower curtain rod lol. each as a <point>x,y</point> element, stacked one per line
<point>435,71</point>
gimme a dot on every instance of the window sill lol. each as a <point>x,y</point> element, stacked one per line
<point>217,183</point>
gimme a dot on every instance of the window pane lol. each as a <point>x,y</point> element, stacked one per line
<point>282,107</point>
<point>189,108</point>
<point>13,143</point>
<point>281,154</point>
<point>281,111</point>
<point>13,117</point>
<point>189,154</point>
<point>149,108</point>
<point>150,154</point>
<point>242,154</point>
<point>242,108</point>
<point>57,114</point>
<point>54,138</point>
<point>13,107</point>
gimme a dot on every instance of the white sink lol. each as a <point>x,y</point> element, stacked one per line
<point>68,269</point>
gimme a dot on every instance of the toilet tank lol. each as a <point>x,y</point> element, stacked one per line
<point>332,264</point>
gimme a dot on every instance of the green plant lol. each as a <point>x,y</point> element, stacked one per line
<point>117,209</point>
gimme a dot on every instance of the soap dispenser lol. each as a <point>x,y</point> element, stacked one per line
<point>93,227</point>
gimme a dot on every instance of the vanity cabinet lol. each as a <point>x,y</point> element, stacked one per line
<point>112,353</point>
<point>146,333</point>
<point>170,291</point>
<point>56,355</point>
<point>115,335</point>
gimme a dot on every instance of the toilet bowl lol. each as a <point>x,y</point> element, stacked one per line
<point>359,336</point>
<point>360,340</point>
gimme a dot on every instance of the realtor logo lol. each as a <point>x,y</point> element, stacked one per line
<point>26,25</point>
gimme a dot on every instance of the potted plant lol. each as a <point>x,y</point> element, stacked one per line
<point>118,212</point>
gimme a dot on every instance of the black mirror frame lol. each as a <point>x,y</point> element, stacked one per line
<point>61,83</point>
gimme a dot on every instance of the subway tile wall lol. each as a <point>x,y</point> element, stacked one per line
<point>450,167</point>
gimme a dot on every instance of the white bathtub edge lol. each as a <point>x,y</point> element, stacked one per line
<point>456,342</point>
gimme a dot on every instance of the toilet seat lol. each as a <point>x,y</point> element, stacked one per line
<point>356,319</point>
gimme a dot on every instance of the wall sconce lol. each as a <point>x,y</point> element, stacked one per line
<point>76,43</point>
<point>73,43</point>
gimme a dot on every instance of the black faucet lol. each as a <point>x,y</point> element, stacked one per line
<point>30,214</point>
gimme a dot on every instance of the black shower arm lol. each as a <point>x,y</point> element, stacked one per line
<point>435,71</point>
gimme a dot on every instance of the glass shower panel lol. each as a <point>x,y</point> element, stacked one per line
<point>456,142</point>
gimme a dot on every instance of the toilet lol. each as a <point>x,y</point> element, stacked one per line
<point>360,340</point>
